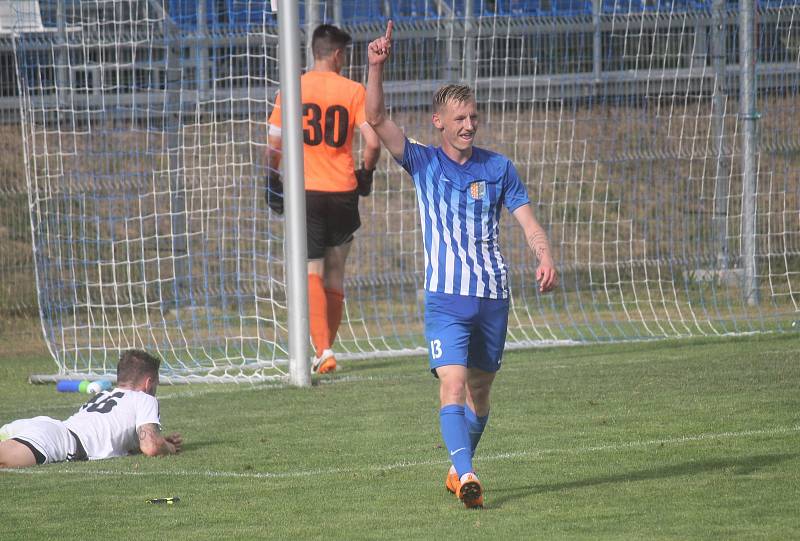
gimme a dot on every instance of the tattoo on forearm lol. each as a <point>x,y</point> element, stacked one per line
<point>147,431</point>
<point>538,244</point>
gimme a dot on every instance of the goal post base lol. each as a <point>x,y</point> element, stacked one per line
<point>37,379</point>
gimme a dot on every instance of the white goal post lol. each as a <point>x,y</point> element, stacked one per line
<point>657,140</point>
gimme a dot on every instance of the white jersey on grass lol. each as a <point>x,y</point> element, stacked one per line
<point>106,425</point>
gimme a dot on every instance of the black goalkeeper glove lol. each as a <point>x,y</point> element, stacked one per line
<point>274,191</point>
<point>364,179</point>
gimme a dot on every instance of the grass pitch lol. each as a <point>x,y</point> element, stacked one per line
<point>693,439</point>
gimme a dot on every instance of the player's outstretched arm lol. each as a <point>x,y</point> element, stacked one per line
<point>152,443</point>
<point>390,134</point>
<point>536,237</point>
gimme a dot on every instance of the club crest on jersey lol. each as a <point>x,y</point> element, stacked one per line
<point>477,189</point>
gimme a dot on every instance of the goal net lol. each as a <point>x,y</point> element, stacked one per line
<point>144,125</point>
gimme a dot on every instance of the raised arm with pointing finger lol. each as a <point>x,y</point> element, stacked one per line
<point>461,190</point>
<point>390,134</point>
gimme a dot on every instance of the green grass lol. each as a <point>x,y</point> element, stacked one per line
<point>693,439</point>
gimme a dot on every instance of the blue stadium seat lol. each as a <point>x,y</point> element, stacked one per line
<point>667,6</point>
<point>222,14</point>
<point>700,5</point>
<point>776,3</point>
<point>662,6</point>
<point>239,14</point>
<point>622,6</point>
<point>413,9</point>
<point>248,14</point>
<point>517,7</point>
<point>353,12</point>
<point>183,13</point>
<point>568,8</point>
<point>49,11</point>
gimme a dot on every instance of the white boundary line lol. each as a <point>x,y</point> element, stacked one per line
<point>534,453</point>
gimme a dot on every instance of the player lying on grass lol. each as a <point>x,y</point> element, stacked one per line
<point>461,190</point>
<point>113,423</point>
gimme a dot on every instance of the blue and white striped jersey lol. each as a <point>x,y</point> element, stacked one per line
<point>459,209</point>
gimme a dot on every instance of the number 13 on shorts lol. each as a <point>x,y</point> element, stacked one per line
<point>436,349</point>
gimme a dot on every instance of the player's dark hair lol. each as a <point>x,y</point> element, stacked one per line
<point>327,39</point>
<point>452,93</point>
<point>134,365</point>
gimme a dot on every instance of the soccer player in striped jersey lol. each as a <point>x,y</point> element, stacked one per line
<point>461,190</point>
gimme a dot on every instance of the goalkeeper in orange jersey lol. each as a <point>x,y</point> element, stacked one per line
<point>333,106</point>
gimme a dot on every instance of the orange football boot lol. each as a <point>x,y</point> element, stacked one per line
<point>324,363</point>
<point>470,491</point>
<point>451,481</point>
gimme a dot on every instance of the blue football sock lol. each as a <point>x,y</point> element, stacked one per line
<point>456,437</point>
<point>475,426</point>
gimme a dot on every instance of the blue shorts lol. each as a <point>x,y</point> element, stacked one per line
<point>470,331</point>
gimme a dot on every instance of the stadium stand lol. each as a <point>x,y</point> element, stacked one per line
<point>244,15</point>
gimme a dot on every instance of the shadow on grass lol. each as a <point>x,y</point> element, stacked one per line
<point>740,466</point>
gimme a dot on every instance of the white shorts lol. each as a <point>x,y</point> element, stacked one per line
<point>49,436</point>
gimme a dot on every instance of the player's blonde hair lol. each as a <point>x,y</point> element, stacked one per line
<point>452,93</point>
